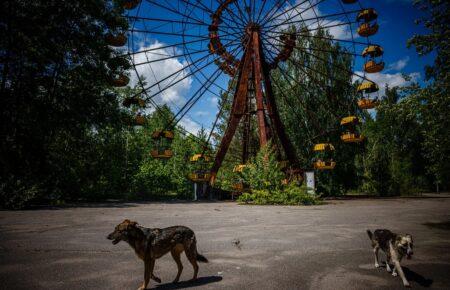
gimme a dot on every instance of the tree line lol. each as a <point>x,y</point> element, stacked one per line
<point>65,138</point>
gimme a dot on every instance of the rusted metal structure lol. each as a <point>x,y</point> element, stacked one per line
<point>230,48</point>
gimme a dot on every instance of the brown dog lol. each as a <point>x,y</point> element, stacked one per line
<point>151,244</point>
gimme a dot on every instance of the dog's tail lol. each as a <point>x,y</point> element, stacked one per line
<point>201,258</point>
<point>369,233</point>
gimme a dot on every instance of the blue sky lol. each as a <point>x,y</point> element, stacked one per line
<point>396,20</point>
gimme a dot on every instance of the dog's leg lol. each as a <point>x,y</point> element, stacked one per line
<point>375,252</point>
<point>397,265</point>
<point>191,254</point>
<point>388,267</point>
<point>388,261</point>
<point>149,265</point>
<point>176,256</point>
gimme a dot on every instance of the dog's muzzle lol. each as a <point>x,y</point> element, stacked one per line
<point>114,241</point>
<point>409,254</point>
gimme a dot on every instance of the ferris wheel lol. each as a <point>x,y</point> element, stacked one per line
<point>231,48</point>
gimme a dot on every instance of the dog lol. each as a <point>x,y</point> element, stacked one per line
<point>395,247</point>
<point>151,244</point>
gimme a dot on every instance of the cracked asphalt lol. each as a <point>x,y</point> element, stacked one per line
<point>249,247</point>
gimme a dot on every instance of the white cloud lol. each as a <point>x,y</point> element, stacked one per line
<point>304,11</point>
<point>214,101</point>
<point>157,71</point>
<point>392,80</point>
<point>399,65</point>
<point>190,126</point>
<point>202,113</point>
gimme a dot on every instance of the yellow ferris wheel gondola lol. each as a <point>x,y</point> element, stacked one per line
<point>201,172</point>
<point>162,139</point>
<point>350,120</point>
<point>240,186</point>
<point>324,161</point>
<point>351,135</point>
<point>368,26</point>
<point>374,63</point>
<point>365,89</point>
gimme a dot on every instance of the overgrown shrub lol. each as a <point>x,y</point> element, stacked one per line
<point>264,175</point>
<point>289,195</point>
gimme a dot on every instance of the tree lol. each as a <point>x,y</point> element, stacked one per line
<point>313,95</point>
<point>55,90</point>
<point>434,100</point>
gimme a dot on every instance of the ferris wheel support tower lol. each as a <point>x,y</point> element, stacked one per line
<point>254,72</point>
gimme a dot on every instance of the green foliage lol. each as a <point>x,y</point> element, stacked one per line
<point>263,172</point>
<point>393,163</point>
<point>264,176</point>
<point>434,100</point>
<point>437,38</point>
<point>55,92</point>
<point>289,195</point>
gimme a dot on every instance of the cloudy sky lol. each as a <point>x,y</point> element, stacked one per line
<point>396,20</point>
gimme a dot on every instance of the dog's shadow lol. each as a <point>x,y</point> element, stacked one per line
<point>416,277</point>
<point>187,284</point>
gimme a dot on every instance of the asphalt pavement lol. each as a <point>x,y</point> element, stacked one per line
<point>249,247</point>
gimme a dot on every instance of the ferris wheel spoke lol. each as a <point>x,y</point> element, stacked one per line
<point>299,99</point>
<point>152,19</point>
<point>176,12</point>
<point>327,27</point>
<point>348,20</point>
<point>305,87</point>
<point>303,20</point>
<point>169,56</point>
<point>261,9</point>
<point>321,50</point>
<point>169,76</point>
<point>302,68</point>
<point>179,80</point>
<point>234,52</point>
<point>273,17</point>
<point>239,18</point>
<point>196,96</point>
<point>269,14</point>
<point>326,38</point>
<point>162,47</point>
<point>343,69</point>
<point>241,13</point>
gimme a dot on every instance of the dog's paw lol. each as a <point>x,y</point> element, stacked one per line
<point>377,265</point>
<point>394,274</point>
<point>157,280</point>
<point>407,285</point>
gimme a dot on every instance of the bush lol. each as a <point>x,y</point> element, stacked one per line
<point>289,195</point>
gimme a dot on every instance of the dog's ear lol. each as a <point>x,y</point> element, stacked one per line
<point>131,224</point>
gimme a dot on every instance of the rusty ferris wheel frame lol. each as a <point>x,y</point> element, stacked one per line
<point>244,40</point>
